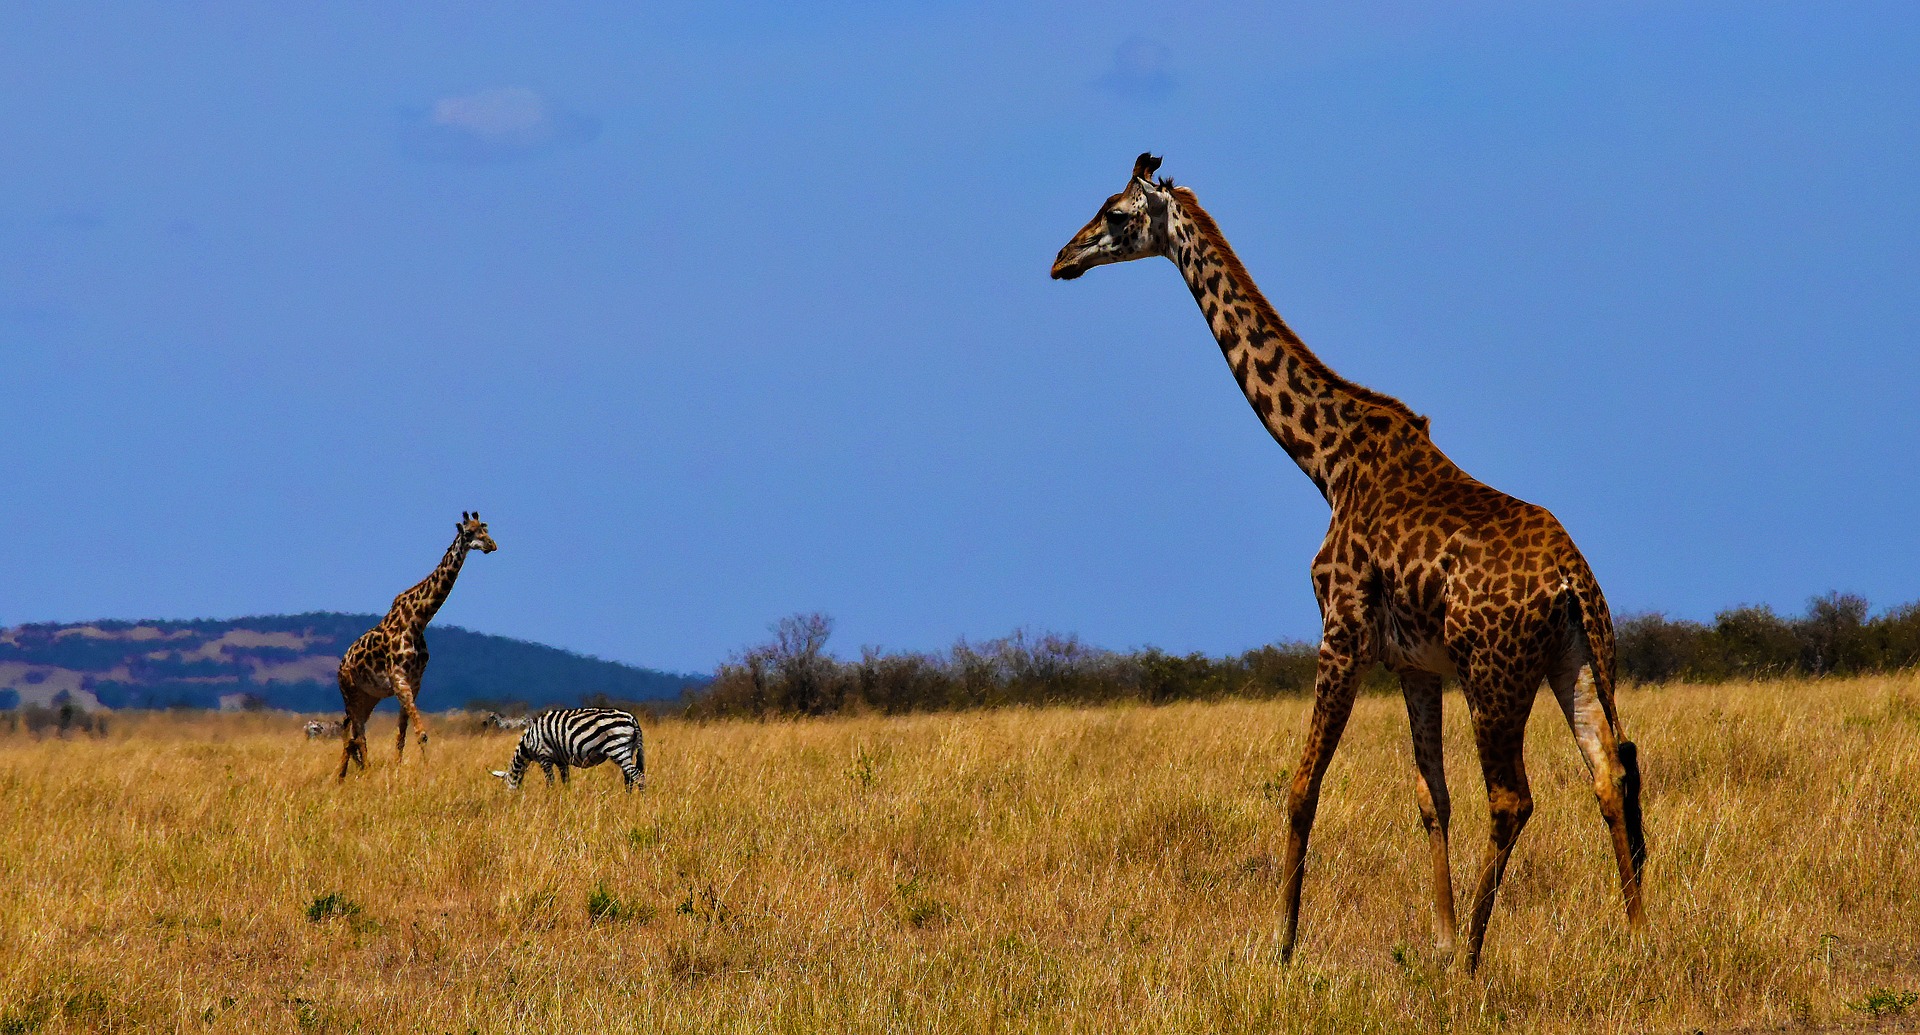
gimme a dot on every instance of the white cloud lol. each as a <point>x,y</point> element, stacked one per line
<point>1142,71</point>
<point>514,111</point>
<point>493,125</point>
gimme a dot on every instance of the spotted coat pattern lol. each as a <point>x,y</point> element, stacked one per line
<point>390,659</point>
<point>1424,569</point>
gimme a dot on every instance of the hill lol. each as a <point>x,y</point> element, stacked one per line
<point>289,661</point>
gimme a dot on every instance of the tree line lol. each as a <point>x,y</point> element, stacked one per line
<point>793,674</point>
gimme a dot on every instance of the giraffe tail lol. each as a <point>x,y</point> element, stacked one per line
<point>1596,622</point>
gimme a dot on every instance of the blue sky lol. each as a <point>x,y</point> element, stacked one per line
<point>719,312</point>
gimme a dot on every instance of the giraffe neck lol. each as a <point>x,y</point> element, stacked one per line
<point>423,601</point>
<point>1313,413</point>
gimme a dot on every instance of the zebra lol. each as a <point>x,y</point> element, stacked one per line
<point>317,729</point>
<point>497,721</point>
<point>581,737</point>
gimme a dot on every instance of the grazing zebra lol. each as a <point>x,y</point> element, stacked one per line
<point>581,737</point>
<point>317,729</point>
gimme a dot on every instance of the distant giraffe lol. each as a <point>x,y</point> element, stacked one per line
<point>390,658</point>
<point>1424,569</point>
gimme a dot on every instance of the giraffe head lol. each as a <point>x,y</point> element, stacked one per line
<point>1130,225</point>
<point>472,533</point>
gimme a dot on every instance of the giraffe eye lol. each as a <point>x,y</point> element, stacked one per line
<point>1116,219</point>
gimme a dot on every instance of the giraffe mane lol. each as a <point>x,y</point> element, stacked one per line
<point>1211,231</point>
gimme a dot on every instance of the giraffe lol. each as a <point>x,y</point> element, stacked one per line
<point>390,658</point>
<point>1424,569</point>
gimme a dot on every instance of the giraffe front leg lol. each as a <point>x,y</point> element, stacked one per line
<point>1422,691</point>
<point>409,715</point>
<point>1333,689</point>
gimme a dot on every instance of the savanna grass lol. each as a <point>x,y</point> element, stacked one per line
<point>1074,870</point>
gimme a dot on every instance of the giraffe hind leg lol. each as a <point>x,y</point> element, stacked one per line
<point>1509,803</point>
<point>353,750</point>
<point>1501,699</point>
<point>1615,768</point>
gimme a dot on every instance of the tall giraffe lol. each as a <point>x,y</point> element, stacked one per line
<point>1424,569</point>
<point>389,659</point>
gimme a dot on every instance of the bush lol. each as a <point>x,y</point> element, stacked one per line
<point>794,675</point>
<point>331,905</point>
<point>1836,636</point>
<point>604,907</point>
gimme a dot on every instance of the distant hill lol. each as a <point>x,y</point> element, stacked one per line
<point>289,661</point>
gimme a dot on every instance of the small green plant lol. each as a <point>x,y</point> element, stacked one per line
<point>41,1007</point>
<point>1275,791</point>
<point>704,904</point>
<point>1825,952</point>
<point>918,907</point>
<point>208,1015</point>
<point>861,771</point>
<point>644,837</point>
<point>601,905</point>
<point>307,1014</point>
<point>604,907</point>
<point>1883,1002</point>
<point>28,1017</point>
<point>330,905</point>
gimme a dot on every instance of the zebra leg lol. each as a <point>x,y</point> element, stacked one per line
<point>634,765</point>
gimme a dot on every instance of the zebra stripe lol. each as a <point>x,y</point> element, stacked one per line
<point>582,737</point>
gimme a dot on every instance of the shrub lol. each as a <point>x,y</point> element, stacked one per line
<point>331,905</point>
<point>604,907</point>
<point>794,674</point>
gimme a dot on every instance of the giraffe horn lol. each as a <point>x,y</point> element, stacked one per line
<point>1145,166</point>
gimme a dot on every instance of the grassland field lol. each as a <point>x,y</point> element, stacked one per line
<point>1061,870</point>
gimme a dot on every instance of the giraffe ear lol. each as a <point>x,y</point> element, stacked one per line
<point>1145,166</point>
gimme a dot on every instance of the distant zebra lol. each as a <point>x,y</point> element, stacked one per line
<point>583,737</point>
<point>317,729</point>
<point>497,721</point>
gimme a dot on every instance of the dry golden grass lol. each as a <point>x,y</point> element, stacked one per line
<point>1097,870</point>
